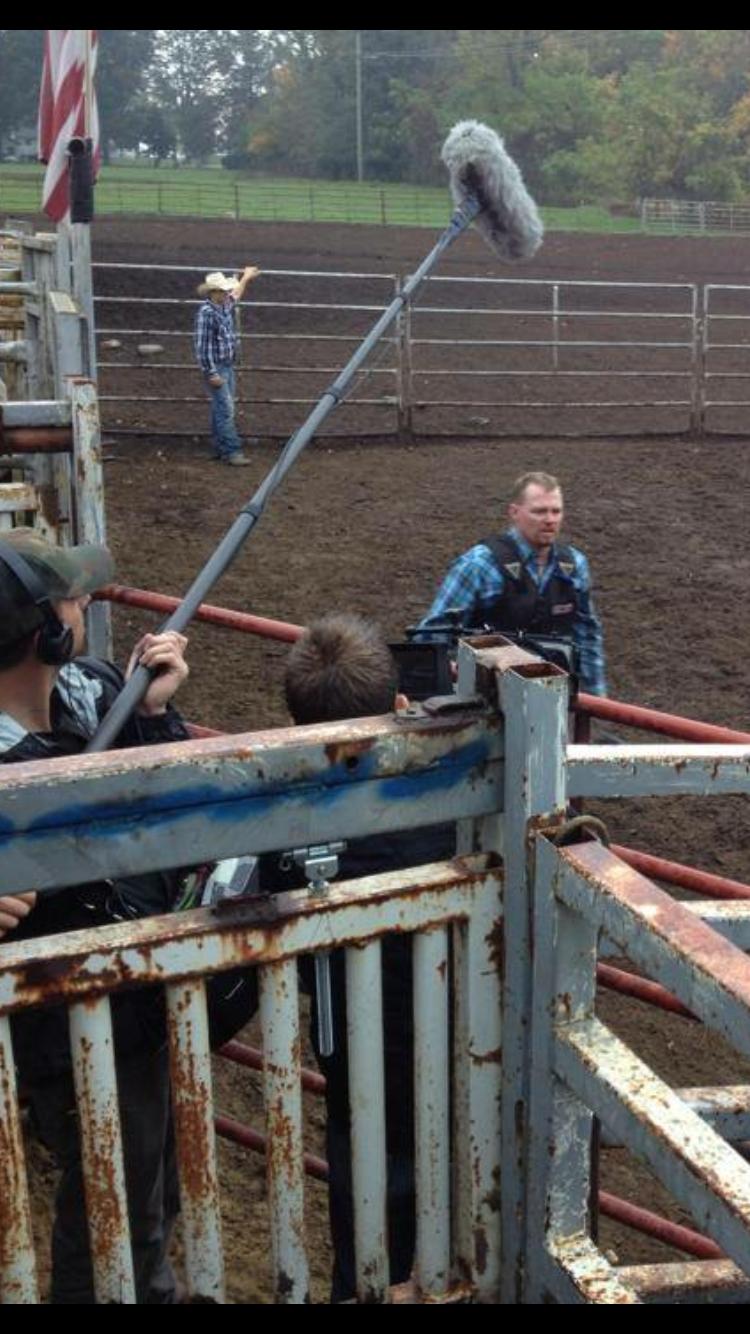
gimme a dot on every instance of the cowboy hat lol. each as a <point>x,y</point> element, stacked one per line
<point>217,282</point>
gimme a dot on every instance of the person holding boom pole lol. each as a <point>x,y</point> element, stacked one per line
<point>488,191</point>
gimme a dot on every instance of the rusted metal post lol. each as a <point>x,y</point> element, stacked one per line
<point>364,1007</point>
<point>192,1101</point>
<point>101,1151</point>
<point>491,985</point>
<point>431,1122</point>
<point>17,1266</point>
<point>279,1016</point>
<point>89,525</point>
<point>559,1186</point>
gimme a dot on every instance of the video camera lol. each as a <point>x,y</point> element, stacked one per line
<point>425,664</point>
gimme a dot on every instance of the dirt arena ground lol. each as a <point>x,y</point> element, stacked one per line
<point>371,525</point>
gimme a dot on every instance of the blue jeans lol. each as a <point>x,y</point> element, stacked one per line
<point>223,429</point>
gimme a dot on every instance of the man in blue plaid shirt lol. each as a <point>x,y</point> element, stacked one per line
<point>216,342</point>
<point>525,579</point>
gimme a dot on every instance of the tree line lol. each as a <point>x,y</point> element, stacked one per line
<point>589,115</point>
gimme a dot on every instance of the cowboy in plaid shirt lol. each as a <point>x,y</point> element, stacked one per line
<point>528,580</point>
<point>216,341</point>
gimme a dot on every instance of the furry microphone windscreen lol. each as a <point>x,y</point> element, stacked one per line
<point>479,165</point>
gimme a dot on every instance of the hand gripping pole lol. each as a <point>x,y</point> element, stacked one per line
<point>228,548</point>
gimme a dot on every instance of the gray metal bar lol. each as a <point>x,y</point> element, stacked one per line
<point>707,973</point>
<point>364,1008</point>
<point>535,710</point>
<point>700,1169</point>
<point>40,413</point>
<point>386,401</point>
<point>226,795</point>
<point>698,362</point>
<point>190,944</point>
<point>450,374</point>
<point>690,1282</point>
<point>192,1101</point>
<point>729,919</point>
<point>187,334</point>
<point>15,496</point>
<point>252,305</point>
<point>240,530</point>
<point>657,770</point>
<point>431,1133</point>
<point>541,311</point>
<point>576,1272</point>
<point>18,1283</point>
<point>17,351</point>
<point>562,282</point>
<point>279,1017</point>
<point>513,342</point>
<point>547,403</point>
<point>462,1240</point>
<point>101,1151</point>
<point>478,961</point>
<point>725,1108</point>
<point>267,273</point>
<point>266,370</point>
<point>88,498</point>
<point>560,1127</point>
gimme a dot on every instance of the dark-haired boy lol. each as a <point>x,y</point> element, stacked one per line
<point>342,668</point>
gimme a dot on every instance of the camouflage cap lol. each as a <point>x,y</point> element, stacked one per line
<point>64,572</point>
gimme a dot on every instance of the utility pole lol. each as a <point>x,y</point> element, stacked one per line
<point>358,80</point>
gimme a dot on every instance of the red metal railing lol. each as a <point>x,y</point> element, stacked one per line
<point>653,1225</point>
<point>687,877</point>
<point>231,620</point>
<point>653,720</point>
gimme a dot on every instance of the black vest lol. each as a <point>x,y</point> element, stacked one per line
<point>522,606</point>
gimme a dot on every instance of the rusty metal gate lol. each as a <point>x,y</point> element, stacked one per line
<point>50,437</point>
<point>504,1193</point>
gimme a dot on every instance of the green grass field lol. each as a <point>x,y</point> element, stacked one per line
<point>213,192</point>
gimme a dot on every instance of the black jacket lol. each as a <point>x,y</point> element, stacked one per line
<point>84,693</point>
<point>372,856</point>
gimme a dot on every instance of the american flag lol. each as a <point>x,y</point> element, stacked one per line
<point>62,112</point>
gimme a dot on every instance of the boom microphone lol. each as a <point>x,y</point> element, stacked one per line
<point>488,189</point>
<point>480,168</point>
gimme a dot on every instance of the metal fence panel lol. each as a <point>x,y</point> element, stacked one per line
<point>192,1102</point>
<point>525,941</point>
<point>471,356</point>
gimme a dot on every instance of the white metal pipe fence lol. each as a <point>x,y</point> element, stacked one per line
<point>694,215</point>
<point>497,357</point>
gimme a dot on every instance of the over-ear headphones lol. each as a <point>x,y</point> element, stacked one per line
<point>54,645</point>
